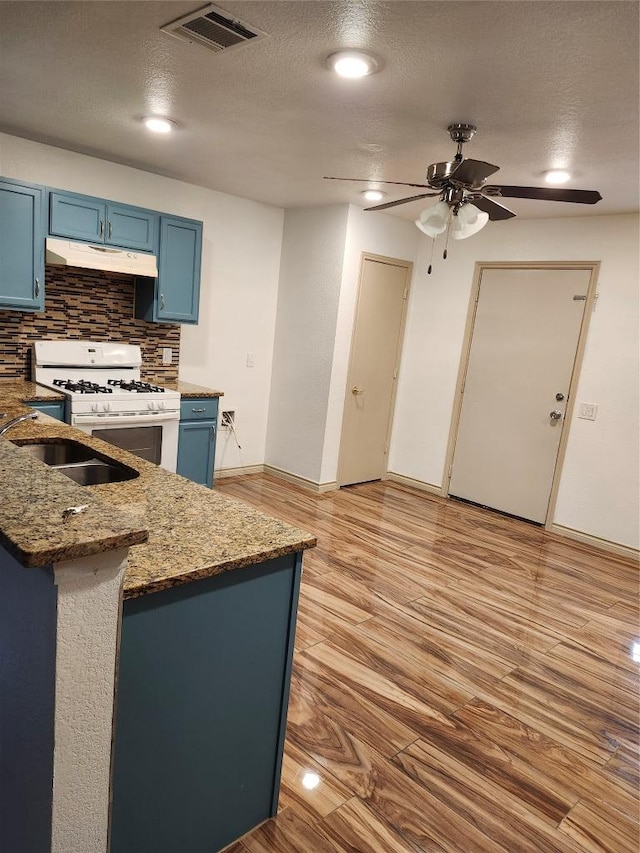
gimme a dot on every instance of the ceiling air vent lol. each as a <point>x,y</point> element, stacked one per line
<point>214,28</point>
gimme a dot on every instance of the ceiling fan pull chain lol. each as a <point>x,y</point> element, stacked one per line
<point>433,247</point>
<point>446,244</point>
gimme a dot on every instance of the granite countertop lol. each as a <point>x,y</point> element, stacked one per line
<point>193,532</point>
<point>186,389</point>
<point>19,389</point>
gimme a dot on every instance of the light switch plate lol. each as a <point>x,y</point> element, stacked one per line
<point>588,411</point>
<point>251,359</point>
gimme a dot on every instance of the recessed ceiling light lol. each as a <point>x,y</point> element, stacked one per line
<point>373,195</point>
<point>557,176</point>
<point>158,124</point>
<point>352,63</point>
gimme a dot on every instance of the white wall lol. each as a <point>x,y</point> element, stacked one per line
<point>309,294</point>
<point>599,485</point>
<point>240,270</point>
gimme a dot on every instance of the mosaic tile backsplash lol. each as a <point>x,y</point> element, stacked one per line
<point>91,305</point>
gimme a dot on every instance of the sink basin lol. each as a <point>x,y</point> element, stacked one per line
<point>94,473</point>
<point>79,462</point>
<point>60,453</point>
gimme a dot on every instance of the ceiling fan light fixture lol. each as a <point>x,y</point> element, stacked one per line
<point>557,176</point>
<point>352,63</point>
<point>469,221</point>
<point>373,195</point>
<point>434,220</point>
<point>159,124</point>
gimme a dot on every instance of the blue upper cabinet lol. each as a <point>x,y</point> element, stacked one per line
<point>131,227</point>
<point>179,270</point>
<point>174,296</point>
<point>21,246</point>
<point>95,220</point>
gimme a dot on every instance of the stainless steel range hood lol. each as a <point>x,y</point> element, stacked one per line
<point>70,254</point>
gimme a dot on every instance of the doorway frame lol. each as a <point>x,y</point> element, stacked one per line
<point>590,302</point>
<point>408,266</point>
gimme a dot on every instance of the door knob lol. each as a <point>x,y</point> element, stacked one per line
<point>555,415</point>
<point>356,390</point>
<point>559,396</point>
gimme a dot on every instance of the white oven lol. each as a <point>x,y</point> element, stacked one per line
<point>152,437</point>
<point>107,399</point>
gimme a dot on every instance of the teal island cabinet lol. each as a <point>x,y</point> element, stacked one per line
<point>201,707</point>
<point>54,408</point>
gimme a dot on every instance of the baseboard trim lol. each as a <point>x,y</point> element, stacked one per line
<point>318,488</point>
<point>595,541</point>
<point>415,484</point>
<point>221,473</point>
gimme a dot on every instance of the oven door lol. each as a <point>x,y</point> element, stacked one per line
<point>151,437</point>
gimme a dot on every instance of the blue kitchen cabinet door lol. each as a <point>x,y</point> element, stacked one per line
<point>196,451</point>
<point>78,217</point>
<point>203,689</point>
<point>21,246</point>
<point>131,227</point>
<point>55,409</point>
<point>96,220</point>
<point>178,284</point>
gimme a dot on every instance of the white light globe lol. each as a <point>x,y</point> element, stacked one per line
<point>469,221</point>
<point>433,220</point>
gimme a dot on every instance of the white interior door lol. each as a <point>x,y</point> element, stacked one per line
<point>375,354</point>
<point>523,349</point>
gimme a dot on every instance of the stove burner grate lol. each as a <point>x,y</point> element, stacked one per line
<point>82,386</point>
<point>138,387</point>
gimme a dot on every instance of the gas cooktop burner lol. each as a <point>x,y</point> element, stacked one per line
<point>139,387</point>
<point>82,386</point>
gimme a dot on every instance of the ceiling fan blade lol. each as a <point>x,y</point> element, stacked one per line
<point>401,201</point>
<point>375,181</point>
<point>472,172</point>
<point>545,194</point>
<point>496,211</point>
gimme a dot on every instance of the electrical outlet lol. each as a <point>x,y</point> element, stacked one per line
<point>227,419</point>
<point>167,355</point>
<point>588,411</point>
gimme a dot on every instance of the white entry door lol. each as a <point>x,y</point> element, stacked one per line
<point>523,350</point>
<point>373,368</point>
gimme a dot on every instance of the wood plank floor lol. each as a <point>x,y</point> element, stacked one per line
<point>462,682</point>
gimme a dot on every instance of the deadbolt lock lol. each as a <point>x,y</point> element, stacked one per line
<point>559,396</point>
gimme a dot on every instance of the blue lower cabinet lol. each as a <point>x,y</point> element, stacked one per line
<point>197,439</point>
<point>54,409</point>
<point>203,688</point>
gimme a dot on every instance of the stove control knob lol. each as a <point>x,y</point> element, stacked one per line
<point>94,407</point>
<point>150,406</point>
<point>106,407</point>
<point>161,406</point>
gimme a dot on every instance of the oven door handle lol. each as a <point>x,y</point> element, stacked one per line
<point>111,420</point>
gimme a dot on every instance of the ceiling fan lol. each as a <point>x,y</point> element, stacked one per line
<point>460,184</point>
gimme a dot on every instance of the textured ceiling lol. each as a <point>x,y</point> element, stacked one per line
<point>549,84</point>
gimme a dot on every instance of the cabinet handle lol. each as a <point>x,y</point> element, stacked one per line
<point>37,287</point>
<point>198,410</point>
<point>101,228</point>
<point>162,301</point>
<point>213,433</point>
<point>110,230</point>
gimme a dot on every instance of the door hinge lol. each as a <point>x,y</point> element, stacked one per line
<point>395,373</point>
<point>385,449</point>
<point>404,295</point>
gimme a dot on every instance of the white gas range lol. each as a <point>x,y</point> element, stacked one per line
<point>106,398</point>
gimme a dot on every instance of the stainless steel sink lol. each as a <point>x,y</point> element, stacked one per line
<point>94,473</point>
<point>60,453</point>
<point>79,462</point>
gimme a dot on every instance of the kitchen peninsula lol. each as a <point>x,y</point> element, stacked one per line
<point>206,594</point>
